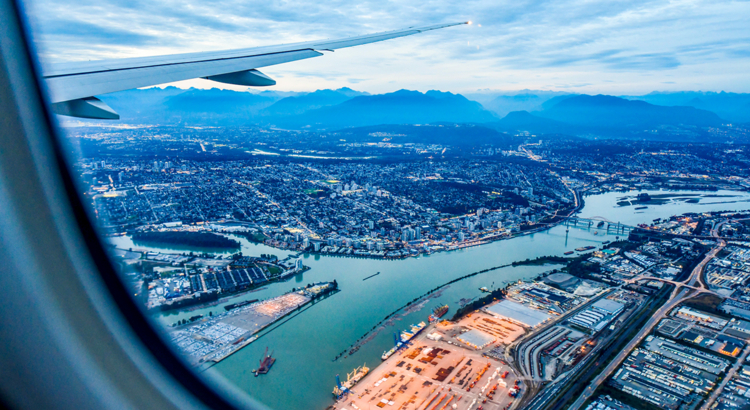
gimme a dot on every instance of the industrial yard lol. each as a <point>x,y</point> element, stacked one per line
<point>456,366</point>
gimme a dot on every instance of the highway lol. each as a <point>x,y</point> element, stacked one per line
<point>680,294</point>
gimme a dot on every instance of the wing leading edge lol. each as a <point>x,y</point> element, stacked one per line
<point>72,86</point>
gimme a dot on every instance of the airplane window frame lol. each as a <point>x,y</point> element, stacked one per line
<point>30,127</point>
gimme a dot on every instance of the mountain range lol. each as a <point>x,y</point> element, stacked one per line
<point>541,112</point>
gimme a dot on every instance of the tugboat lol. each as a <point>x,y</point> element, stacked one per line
<point>438,312</point>
<point>265,363</point>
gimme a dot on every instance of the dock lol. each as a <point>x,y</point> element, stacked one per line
<point>438,371</point>
<point>214,338</point>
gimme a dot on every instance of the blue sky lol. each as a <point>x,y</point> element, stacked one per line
<point>583,46</point>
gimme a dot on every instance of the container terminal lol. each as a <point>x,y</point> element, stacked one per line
<point>443,366</point>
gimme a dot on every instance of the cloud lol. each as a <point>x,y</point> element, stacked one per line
<point>606,44</point>
<point>72,30</point>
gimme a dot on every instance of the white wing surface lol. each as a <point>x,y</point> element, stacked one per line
<point>72,86</point>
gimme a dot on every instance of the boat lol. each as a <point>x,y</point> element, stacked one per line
<point>371,276</point>
<point>351,379</point>
<point>437,313</point>
<point>265,363</point>
<point>390,353</point>
<point>239,304</point>
<point>412,332</point>
<point>403,338</point>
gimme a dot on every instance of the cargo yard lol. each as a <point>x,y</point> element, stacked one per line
<point>214,338</point>
<point>445,366</point>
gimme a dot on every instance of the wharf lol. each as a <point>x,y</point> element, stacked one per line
<point>435,374</point>
<point>215,338</point>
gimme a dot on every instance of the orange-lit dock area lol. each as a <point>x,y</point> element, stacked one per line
<point>438,371</point>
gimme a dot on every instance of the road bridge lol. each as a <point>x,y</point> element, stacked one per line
<point>599,222</point>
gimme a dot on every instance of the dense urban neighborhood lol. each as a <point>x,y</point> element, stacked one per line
<point>655,314</point>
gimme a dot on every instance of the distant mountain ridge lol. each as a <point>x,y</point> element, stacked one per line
<point>543,112</point>
<point>310,101</point>
<point>733,107</point>
<point>606,116</point>
<point>319,109</point>
<point>400,107</point>
<point>609,111</point>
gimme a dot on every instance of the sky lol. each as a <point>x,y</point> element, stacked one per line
<point>579,46</point>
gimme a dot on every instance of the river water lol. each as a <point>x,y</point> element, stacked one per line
<point>304,374</point>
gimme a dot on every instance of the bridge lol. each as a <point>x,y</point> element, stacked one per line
<point>599,222</point>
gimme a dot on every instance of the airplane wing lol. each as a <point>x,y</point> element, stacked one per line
<point>73,86</point>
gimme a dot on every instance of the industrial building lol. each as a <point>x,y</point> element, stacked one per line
<point>703,318</point>
<point>476,339</point>
<point>598,315</point>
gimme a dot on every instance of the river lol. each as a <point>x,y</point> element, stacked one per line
<point>304,374</point>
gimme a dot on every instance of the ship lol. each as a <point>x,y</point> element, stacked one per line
<point>265,363</point>
<point>351,379</point>
<point>437,313</point>
<point>390,353</point>
<point>402,339</point>
<point>239,304</point>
